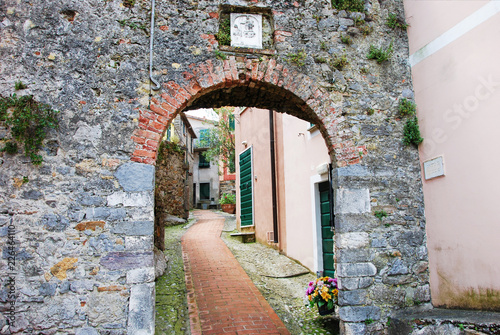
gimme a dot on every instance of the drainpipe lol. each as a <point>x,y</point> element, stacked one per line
<point>151,36</point>
<point>273,175</point>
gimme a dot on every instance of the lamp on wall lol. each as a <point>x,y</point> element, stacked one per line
<point>244,143</point>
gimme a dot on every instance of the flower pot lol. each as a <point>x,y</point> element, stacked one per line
<point>229,208</point>
<point>323,310</point>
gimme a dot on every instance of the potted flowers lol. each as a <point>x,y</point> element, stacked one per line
<point>323,292</point>
<point>228,203</point>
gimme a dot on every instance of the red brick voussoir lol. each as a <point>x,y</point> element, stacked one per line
<point>212,74</point>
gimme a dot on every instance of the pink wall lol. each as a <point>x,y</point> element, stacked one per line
<point>255,131</point>
<point>298,153</point>
<point>303,151</point>
<point>457,90</point>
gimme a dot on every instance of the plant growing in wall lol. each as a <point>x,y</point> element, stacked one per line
<point>223,36</point>
<point>349,5</point>
<point>298,59</point>
<point>380,214</point>
<point>407,107</point>
<point>28,121</point>
<point>380,54</point>
<point>394,22</point>
<point>411,132</point>
<point>339,62</point>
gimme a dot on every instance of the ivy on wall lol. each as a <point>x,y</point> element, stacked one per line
<point>28,121</point>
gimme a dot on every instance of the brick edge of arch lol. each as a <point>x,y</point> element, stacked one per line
<point>207,76</point>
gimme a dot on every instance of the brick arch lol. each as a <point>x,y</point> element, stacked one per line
<point>246,82</point>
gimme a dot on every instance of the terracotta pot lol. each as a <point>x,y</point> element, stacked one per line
<point>229,208</point>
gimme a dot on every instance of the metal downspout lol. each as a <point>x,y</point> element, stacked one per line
<point>273,175</point>
<point>151,36</point>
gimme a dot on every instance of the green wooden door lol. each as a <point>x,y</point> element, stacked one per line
<point>246,193</point>
<point>326,230</point>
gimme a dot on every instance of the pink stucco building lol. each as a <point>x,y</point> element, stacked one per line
<point>456,76</point>
<point>301,166</point>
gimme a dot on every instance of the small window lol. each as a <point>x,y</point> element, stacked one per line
<point>204,191</point>
<point>203,162</point>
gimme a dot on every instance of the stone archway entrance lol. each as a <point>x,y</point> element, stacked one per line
<point>369,264</point>
<point>244,82</point>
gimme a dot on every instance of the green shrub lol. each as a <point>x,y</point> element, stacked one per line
<point>407,107</point>
<point>227,198</point>
<point>411,132</point>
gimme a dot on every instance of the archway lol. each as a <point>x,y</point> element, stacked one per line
<point>245,82</point>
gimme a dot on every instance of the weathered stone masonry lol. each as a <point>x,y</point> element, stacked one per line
<point>84,219</point>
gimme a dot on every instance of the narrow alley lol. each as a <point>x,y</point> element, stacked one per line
<point>226,300</point>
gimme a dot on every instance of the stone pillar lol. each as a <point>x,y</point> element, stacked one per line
<point>355,272</point>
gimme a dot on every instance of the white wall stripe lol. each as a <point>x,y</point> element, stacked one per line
<point>460,29</point>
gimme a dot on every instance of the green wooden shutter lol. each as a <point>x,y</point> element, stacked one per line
<point>326,230</point>
<point>246,193</point>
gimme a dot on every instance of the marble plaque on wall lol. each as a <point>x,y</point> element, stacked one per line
<point>246,30</point>
<point>434,168</point>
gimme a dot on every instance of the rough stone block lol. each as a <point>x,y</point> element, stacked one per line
<point>423,293</point>
<point>134,228</point>
<point>141,318</point>
<point>135,199</point>
<point>86,331</point>
<point>354,201</point>
<point>354,256</point>
<point>139,243</point>
<point>355,283</point>
<point>352,240</point>
<point>398,268</point>
<point>47,289</point>
<point>54,222</point>
<point>353,328</point>
<point>127,260</point>
<point>32,195</point>
<point>356,269</point>
<point>359,313</point>
<point>351,298</point>
<point>136,177</point>
<point>345,223</point>
<point>140,276</point>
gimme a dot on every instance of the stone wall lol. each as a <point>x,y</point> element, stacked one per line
<point>171,192</point>
<point>84,220</point>
<point>227,186</point>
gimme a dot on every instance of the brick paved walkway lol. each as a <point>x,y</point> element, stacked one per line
<point>221,297</point>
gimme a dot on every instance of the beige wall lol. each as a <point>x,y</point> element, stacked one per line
<point>454,48</point>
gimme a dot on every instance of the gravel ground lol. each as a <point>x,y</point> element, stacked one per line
<point>281,280</point>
